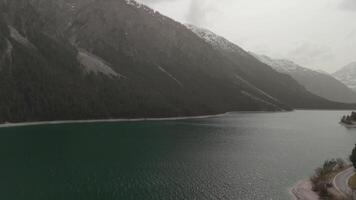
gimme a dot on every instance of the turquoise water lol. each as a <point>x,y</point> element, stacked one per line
<point>238,156</point>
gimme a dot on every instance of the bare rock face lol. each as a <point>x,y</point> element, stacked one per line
<point>94,64</point>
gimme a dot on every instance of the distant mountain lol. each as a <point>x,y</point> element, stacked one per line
<point>259,72</point>
<point>317,82</point>
<point>347,75</point>
<point>97,59</point>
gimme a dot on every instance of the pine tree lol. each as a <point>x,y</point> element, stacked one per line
<point>353,157</point>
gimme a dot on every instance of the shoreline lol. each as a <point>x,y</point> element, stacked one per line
<point>21,124</point>
<point>347,125</point>
<point>302,190</point>
<point>36,123</point>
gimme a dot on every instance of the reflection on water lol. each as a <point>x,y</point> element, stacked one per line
<point>238,156</point>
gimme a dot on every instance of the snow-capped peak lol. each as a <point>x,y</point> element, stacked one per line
<point>215,40</point>
<point>134,3</point>
<point>137,4</point>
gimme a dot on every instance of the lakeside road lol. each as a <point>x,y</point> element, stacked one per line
<point>340,182</point>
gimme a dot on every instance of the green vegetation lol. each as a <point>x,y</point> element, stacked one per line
<point>323,176</point>
<point>349,119</point>
<point>353,157</point>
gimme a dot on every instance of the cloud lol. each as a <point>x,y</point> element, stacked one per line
<point>155,1</point>
<point>200,11</point>
<point>310,54</point>
<point>348,5</point>
<point>351,35</point>
<point>196,14</point>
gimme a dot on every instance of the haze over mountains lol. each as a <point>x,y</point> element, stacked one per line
<point>319,83</point>
<point>81,59</point>
<point>347,75</point>
<point>258,73</point>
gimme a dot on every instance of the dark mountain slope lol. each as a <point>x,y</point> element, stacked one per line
<point>110,59</point>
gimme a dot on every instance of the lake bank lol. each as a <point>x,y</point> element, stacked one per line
<point>8,125</point>
<point>35,123</point>
<point>325,183</point>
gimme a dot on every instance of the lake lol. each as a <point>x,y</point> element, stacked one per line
<point>252,156</point>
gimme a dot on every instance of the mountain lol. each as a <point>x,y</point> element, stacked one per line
<point>97,59</point>
<point>347,75</point>
<point>317,82</point>
<point>81,59</point>
<point>265,74</point>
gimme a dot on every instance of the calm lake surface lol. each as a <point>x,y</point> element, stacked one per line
<point>238,156</point>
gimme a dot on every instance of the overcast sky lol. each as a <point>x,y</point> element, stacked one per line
<point>319,34</point>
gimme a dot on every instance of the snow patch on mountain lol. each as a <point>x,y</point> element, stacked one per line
<point>254,87</point>
<point>253,97</point>
<point>94,64</point>
<point>215,40</point>
<point>14,34</point>
<point>136,4</point>
<point>170,76</point>
<point>7,53</point>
